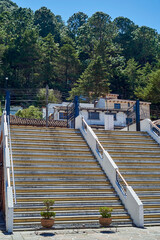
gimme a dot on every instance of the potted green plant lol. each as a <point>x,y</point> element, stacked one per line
<point>48,215</point>
<point>105,219</point>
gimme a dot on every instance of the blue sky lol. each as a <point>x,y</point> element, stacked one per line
<point>141,12</point>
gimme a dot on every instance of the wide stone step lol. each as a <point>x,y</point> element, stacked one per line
<point>151,182</point>
<point>54,194</point>
<point>53,161</point>
<point>52,155</point>
<point>108,144</point>
<point>137,158</point>
<point>49,141</point>
<point>140,169</point>
<point>141,175</point>
<point>146,188</point>
<point>70,208</point>
<point>68,189</point>
<point>67,198</point>
<point>132,154</point>
<point>60,182</point>
<point>71,204</point>
<point>74,213</point>
<point>123,136</point>
<point>135,151</point>
<point>120,133</point>
<point>59,150</point>
<point>68,218</point>
<point>63,174</point>
<point>46,136</point>
<point>54,168</point>
<point>137,163</point>
<point>49,145</point>
<point>134,148</point>
<point>43,129</point>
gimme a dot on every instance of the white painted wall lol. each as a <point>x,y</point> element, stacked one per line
<point>109,122</point>
<point>8,191</point>
<point>146,126</point>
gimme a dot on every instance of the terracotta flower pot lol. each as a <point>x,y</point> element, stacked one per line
<point>47,223</point>
<point>105,221</point>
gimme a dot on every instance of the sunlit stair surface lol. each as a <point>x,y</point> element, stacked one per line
<point>138,157</point>
<point>56,163</point>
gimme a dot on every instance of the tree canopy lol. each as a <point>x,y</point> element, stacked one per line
<point>86,56</point>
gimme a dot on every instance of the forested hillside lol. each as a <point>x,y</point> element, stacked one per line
<point>86,55</point>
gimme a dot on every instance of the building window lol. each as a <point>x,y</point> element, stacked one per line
<point>93,115</point>
<point>62,115</point>
<point>117,106</point>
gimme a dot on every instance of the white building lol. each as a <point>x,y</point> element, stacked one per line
<point>95,114</point>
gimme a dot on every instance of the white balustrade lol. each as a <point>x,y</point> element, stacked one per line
<point>127,195</point>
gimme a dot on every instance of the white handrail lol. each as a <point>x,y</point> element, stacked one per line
<point>155,126</point>
<point>11,158</point>
<point>8,190</point>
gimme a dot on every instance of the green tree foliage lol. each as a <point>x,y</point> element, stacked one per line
<point>131,78</point>
<point>47,23</point>
<point>69,64</point>
<point>99,24</point>
<point>146,45</point>
<point>21,60</point>
<point>49,61</point>
<point>152,90</point>
<point>53,96</point>
<point>93,82</point>
<point>75,22</point>
<point>31,113</point>
<point>7,5</point>
<point>38,48</point>
<point>125,28</point>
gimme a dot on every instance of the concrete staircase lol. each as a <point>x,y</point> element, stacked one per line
<point>56,163</point>
<point>138,157</point>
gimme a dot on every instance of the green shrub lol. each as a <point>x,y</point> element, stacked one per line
<point>48,207</point>
<point>105,212</point>
<point>31,113</point>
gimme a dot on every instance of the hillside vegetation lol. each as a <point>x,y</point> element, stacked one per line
<point>87,55</point>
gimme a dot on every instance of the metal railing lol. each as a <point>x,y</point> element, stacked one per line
<point>121,182</point>
<point>71,115</point>
<point>99,148</point>
<point>11,159</point>
<point>84,124</point>
<point>155,129</point>
<point>131,115</point>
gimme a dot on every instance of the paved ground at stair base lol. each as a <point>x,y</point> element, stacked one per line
<point>126,233</point>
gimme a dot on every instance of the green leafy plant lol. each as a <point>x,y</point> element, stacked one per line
<point>105,212</point>
<point>48,207</point>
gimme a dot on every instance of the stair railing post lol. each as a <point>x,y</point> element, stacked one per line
<point>138,116</point>
<point>46,105</point>
<point>8,105</point>
<point>76,108</point>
